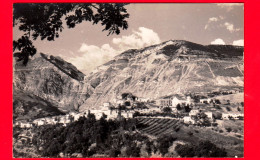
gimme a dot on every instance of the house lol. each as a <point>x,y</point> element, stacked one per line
<point>209,114</point>
<point>194,112</point>
<point>25,125</point>
<point>106,104</point>
<point>166,102</point>
<point>173,100</point>
<point>119,102</point>
<point>233,115</point>
<point>188,120</point>
<point>206,100</point>
<point>127,114</point>
<point>39,122</point>
<point>141,99</point>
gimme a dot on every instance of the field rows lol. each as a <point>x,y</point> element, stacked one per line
<point>158,126</point>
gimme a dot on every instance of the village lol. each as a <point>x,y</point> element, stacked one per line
<point>187,109</point>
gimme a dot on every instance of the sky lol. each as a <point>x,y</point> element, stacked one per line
<point>87,47</point>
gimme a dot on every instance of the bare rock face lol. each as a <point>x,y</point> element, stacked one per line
<point>54,80</point>
<point>168,68</point>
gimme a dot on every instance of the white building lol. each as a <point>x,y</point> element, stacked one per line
<point>209,114</point>
<point>173,100</point>
<point>233,115</point>
<point>188,120</point>
<point>39,122</point>
<point>106,104</point>
<point>194,112</point>
<point>25,125</point>
<point>205,100</point>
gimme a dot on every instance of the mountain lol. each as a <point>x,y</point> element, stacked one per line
<point>175,66</point>
<point>172,67</point>
<point>53,80</point>
<point>27,107</point>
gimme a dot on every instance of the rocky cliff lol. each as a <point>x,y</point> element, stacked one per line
<point>54,80</point>
<point>171,67</point>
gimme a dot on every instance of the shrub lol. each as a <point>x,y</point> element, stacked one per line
<point>214,124</point>
<point>239,136</point>
<point>203,149</point>
<point>190,133</point>
<point>228,108</point>
<point>164,142</point>
<point>228,129</point>
<point>185,150</point>
<point>167,110</point>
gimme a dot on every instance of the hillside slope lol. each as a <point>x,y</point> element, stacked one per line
<point>170,67</point>
<point>174,66</point>
<point>54,80</point>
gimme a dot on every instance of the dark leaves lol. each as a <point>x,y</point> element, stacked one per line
<point>26,48</point>
<point>44,20</point>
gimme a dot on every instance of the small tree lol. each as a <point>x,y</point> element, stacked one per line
<point>167,110</point>
<point>217,101</point>
<point>178,107</point>
<point>187,108</point>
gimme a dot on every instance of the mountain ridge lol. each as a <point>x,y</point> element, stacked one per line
<point>171,67</point>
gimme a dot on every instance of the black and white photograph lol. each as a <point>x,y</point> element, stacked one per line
<point>149,80</point>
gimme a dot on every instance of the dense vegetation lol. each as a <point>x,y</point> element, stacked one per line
<point>88,137</point>
<point>203,149</point>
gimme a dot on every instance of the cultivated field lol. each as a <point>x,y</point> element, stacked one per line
<point>156,127</point>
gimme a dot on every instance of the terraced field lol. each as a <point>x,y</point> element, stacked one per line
<point>158,126</point>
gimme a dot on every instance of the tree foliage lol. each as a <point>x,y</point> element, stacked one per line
<point>202,149</point>
<point>167,110</point>
<point>45,20</point>
<point>164,142</point>
<point>88,136</point>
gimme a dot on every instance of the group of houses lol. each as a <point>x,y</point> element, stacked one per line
<point>127,104</point>
<point>173,100</point>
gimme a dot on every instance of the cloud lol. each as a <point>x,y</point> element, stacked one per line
<point>91,56</point>
<point>139,39</point>
<point>231,27</point>
<point>218,41</point>
<point>213,19</point>
<point>239,42</point>
<point>229,6</point>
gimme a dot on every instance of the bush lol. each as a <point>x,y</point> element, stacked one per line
<point>190,133</point>
<point>239,136</point>
<point>164,142</point>
<point>214,124</point>
<point>185,150</point>
<point>217,101</point>
<point>167,110</point>
<point>228,108</point>
<point>228,129</point>
<point>203,149</point>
